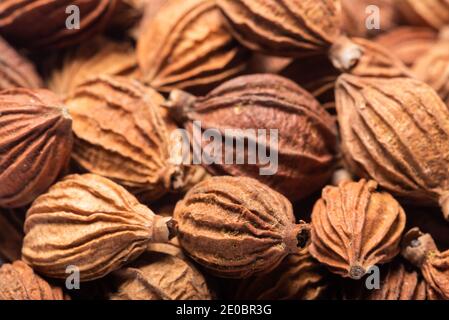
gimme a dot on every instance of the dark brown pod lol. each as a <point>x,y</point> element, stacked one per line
<point>236,227</point>
<point>306,133</point>
<point>35,143</point>
<point>11,234</point>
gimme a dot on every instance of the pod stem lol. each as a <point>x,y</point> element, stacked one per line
<point>179,104</point>
<point>340,176</point>
<point>345,54</point>
<point>417,246</point>
<point>299,236</point>
<point>164,229</point>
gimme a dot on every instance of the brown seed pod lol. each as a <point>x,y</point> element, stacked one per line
<point>91,223</point>
<point>186,45</point>
<point>35,143</point>
<point>355,227</point>
<point>99,56</point>
<point>11,234</point>
<point>431,13</point>
<point>17,17</point>
<point>396,131</point>
<point>306,133</point>
<point>15,70</point>
<point>122,133</point>
<point>237,227</point>
<point>19,282</point>
<point>161,273</point>
<point>298,277</point>
<point>408,43</point>
<point>308,26</point>
<point>421,250</point>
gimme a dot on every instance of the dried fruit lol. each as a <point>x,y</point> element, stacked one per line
<point>355,227</point>
<point>236,227</point>
<point>16,17</point>
<point>91,223</point>
<point>308,26</point>
<point>432,13</point>
<point>161,273</point>
<point>19,282</point>
<point>186,45</point>
<point>306,132</point>
<point>122,133</point>
<point>421,250</point>
<point>11,234</point>
<point>15,70</point>
<point>298,277</point>
<point>35,143</point>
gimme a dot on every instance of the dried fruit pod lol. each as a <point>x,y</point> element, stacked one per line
<point>19,282</point>
<point>408,43</point>
<point>237,227</point>
<point>396,131</point>
<point>15,70</point>
<point>11,234</point>
<point>16,17</point>
<point>431,13</point>
<point>97,57</point>
<point>161,273</point>
<point>421,250</point>
<point>89,222</point>
<point>308,26</point>
<point>306,135</point>
<point>122,133</point>
<point>298,277</point>
<point>355,227</point>
<point>186,45</point>
<point>35,143</point>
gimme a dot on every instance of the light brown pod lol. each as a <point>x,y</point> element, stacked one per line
<point>431,13</point>
<point>16,70</point>
<point>302,154</point>
<point>11,234</point>
<point>354,227</point>
<point>89,222</point>
<point>186,45</point>
<point>308,26</point>
<point>298,277</point>
<point>35,143</point>
<point>421,250</point>
<point>99,56</point>
<point>19,282</point>
<point>122,133</point>
<point>396,131</point>
<point>17,17</point>
<point>236,227</point>
<point>161,273</point>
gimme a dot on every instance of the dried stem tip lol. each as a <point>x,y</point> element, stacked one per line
<point>417,246</point>
<point>345,54</point>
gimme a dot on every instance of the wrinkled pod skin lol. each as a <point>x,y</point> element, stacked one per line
<point>35,144</point>
<point>396,131</point>
<point>301,155</point>
<point>236,227</point>
<point>431,13</point>
<point>355,227</point>
<point>89,222</point>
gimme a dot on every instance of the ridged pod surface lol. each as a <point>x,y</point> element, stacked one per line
<point>35,143</point>
<point>298,277</point>
<point>306,133</point>
<point>236,227</point>
<point>308,26</point>
<point>89,222</point>
<point>161,273</point>
<point>15,70</point>
<point>11,234</point>
<point>355,227</point>
<point>19,282</point>
<point>122,133</point>
<point>432,13</point>
<point>48,19</point>
<point>396,131</point>
<point>186,45</point>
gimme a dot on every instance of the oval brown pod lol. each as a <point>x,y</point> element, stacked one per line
<point>35,143</point>
<point>354,227</point>
<point>236,227</point>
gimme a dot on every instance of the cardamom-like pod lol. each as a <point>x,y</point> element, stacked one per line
<point>35,143</point>
<point>355,227</point>
<point>123,133</point>
<point>431,13</point>
<point>91,223</point>
<point>236,227</point>
<point>308,26</point>
<point>306,133</point>
<point>11,234</point>
<point>186,45</point>
<point>396,131</point>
